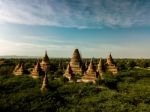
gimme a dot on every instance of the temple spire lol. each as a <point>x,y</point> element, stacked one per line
<point>90,75</point>
<point>46,58</point>
<point>68,73</point>
<point>86,64</point>
<point>45,64</point>
<point>110,65</point>
<point>37,71</point>
<point>100,69</point>
<point>45,86</point>
<point>19,69</point>
<point>91,66</point>
<point>100,66</point>
<point>109,59</point>
<point>76,62</point>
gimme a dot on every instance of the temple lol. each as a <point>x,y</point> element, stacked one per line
<point>90,75</point>
<point>19,69</point>
<point>45,64</point>
<point>75,71</point>
<point>68,73</point>
<point>100,68</point>
<point>110,65</point>
<point>86,65</point>
<point>37,71</point>
<point>45,86</point>
<point>76,63</point>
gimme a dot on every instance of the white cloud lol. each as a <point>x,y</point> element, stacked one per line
<point>79,13</point>
<point>8,47</point>
<point>65,49</point>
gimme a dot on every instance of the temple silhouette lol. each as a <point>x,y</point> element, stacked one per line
<point>76,69</point>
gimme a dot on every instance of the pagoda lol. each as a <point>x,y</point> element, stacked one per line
<point>76,62</point>
<point>90,75</point>
<point>19,69</point>
<point>45,64</point>
<point>68,73</point>
<point>37,71</point>
<point>86,65</point>
<point>110,65</point>
<point>45,86</point>
<point>100,68</point>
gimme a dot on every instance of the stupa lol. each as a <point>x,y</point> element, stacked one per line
<point>86,65</point>
<point>76,62</point>
<point>100,68</point>
<point>90,75</point>
<point>45,64</point>
<point>110,66</point>
<point>37,71</point>
<point>45,86</point>
<point>19,69</point>
<point>68,73</point>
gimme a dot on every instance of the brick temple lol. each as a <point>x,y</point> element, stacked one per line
<point>110,65</point>
<point>19,69</point>
<point>75,69</point>
<point>76,62</point>
<point>37,71</point>
<point>91,73</point>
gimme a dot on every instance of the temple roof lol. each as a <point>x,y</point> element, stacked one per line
<point>45,83</point>
<point>100,66</point>
<point>76,56</point>
<point>68,70</point>
<point>109,56</point>
<point>45,58</point>
<point>109,59</point>
<point>100,62</point>
<point>19,69</point>
<point>17,66</point>
<point>37,66</point>
<point>22,66</point>
<point>90,67</point>
<point>76,62</point>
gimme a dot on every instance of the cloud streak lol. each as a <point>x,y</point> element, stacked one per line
<point>78,13</point>
<point>27,48</point>
<point>65,48</point>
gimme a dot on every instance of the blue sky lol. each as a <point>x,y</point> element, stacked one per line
<point>96,27</point>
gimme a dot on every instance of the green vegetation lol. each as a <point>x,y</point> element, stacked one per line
<point>129,91</point>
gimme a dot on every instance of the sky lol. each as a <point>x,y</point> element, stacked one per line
<point>95,27</point>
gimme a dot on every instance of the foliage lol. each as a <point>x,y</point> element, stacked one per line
<point>129,91</point>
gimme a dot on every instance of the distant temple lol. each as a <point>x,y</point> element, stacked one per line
<point>19,69</point>
<point>37,71</point>
<point>45,64</point>
<point>100,68</point>
<point>45,86</point>
<point>76,63</point>
<point>75,69</point>
<point>90,75</point>
<point>86,65</point>
<point>110,65</point>
<point>68,73</point>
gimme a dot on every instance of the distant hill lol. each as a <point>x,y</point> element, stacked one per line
<point>16,57</point>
